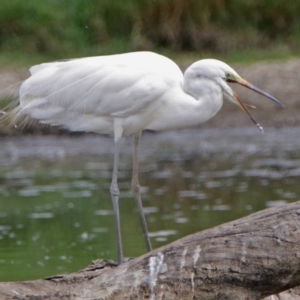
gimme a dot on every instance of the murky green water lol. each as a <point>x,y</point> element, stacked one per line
<point>55,210</point>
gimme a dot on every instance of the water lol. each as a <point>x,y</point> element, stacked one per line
<point>55,210</point>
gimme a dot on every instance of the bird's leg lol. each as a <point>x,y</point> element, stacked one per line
<point>115,194</point>
<point>135,185</point>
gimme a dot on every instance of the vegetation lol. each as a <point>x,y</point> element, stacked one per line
<point>71,28</point>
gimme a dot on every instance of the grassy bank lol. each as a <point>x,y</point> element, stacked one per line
<point>34,31</point>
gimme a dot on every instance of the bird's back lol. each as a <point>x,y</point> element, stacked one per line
<point>85,94</point>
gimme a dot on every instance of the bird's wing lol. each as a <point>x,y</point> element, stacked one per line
<point>117,86</point>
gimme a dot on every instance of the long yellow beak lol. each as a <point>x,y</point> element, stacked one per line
<point>248,85</point>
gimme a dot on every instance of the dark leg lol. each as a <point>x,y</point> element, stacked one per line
<point>136,190</point>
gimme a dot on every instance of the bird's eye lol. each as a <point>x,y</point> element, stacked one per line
<point>227,75</point>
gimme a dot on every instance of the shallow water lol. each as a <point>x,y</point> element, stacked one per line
<point>55,210</point>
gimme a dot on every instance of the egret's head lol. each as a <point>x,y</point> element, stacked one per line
<point>233,77</point>
<point>223,74</point>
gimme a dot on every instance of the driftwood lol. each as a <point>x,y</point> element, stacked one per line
<point>251,258</point>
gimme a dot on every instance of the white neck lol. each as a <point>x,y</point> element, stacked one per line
<point>188,106</point>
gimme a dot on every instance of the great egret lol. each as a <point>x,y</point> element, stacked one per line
<point>125,94</point>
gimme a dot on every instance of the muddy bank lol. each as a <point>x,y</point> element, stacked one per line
<point>280,79</point>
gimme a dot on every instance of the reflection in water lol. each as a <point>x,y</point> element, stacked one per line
<point>56,214</point>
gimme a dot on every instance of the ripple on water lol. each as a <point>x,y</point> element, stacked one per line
<point>187,174</point>
<point>75,174</point>
<point>160,191</point>
<point>163,174</point>
<point>29,192</point>
<point>181,220</point>
<point>162,233</point>
<point>279,163</point>
<point>98,166</point>
<point>78,194</point>
<point>217,207</point>
<point>103,212</point>
<point>293,173</point>
<point>224,174</point>
<point>242,187</point>
<point>5,228</point>
<point>83,184</point>
<point>213,184</point>
<point>192,194</point>
<point>287,194</point>
<point>100,230</point>
<point>150,210</point>
<point>18,174</point>
<point>41,215</point>
<point>275,203</point>
<point>266,173</point>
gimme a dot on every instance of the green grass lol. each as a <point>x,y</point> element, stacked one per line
<point>17,60</point>
<point>236,31</point>
<point>244,57</point>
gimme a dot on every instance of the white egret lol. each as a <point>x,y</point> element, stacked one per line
<point>123,95</point>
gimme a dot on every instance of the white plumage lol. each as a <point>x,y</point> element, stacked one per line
<point>145,90</point>
<point>125,94</point>
<point>87,94</point>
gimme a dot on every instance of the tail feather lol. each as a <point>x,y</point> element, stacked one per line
<point>12,118</point>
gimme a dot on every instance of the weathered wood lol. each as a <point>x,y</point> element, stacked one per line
<point>250,258</point>
<point>292,294</point>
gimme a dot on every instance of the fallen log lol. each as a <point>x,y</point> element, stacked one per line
<point>291,294</point>
<point>250,258</point>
